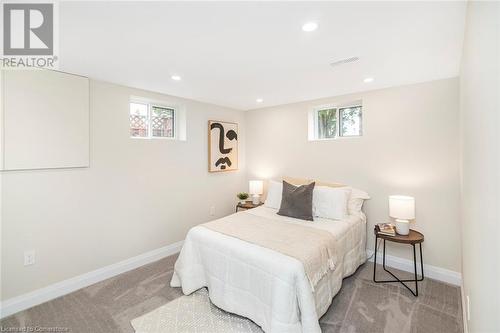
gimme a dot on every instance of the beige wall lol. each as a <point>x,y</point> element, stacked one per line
<point>137,195</point>
<point>410,146</point>
<point>480,191</point>
<point>147,194</point>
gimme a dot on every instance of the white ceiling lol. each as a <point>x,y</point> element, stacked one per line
<point>231,53</point>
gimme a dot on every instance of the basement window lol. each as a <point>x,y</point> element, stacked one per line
<point>332,122</point>
<point>351,121</point>
<point>150,121</point>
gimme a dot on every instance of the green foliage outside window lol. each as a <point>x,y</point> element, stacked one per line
<point>327,123</point>
<point>351,121</point>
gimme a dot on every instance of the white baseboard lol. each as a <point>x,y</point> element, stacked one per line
<point>28,300</point>
<point>433,272</point>
<point>465,317</point>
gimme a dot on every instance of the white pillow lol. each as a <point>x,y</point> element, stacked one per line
<point>330,202</point>
<point>356,200</point>
<point>274,193</point>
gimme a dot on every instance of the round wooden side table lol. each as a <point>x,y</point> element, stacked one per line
<point>413,238</point>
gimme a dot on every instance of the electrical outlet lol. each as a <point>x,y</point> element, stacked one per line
<point>468,307</point>
<point>212,210</point>
<point>29,257</point>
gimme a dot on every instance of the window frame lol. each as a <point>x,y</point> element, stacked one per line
<point>174,124</point>
<point>339,120</point>
<point>316,111</point>
<point>150,105</point>
<point>338,133</point>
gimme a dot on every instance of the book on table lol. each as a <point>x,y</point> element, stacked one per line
<point>386,229</point>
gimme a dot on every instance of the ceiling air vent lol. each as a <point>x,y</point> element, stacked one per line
<point>344,61</point>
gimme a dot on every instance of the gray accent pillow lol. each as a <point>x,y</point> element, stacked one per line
<point>296,201</point>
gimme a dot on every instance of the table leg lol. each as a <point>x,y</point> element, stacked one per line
<point>383,256</point>
<point>375,259</point>
<point>415,266</point>
<point>421,263</point>
<point>396,279</point>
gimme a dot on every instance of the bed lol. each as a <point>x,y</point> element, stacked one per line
<point>264,285</point>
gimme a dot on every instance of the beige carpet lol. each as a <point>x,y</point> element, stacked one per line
<point>361,305</point>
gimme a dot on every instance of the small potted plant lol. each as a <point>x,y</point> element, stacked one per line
<point>243,196</point>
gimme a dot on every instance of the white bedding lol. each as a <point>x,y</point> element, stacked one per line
<point>264,285</point>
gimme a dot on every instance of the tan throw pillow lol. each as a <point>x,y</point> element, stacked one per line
<point>303,181</point>
<point>297,181</point>
<point>320,183</point>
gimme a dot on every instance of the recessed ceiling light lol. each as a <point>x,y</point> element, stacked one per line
<point>368,80</point>
<point>259,100</point>
<point>176,77</point>
<point>310,26</point>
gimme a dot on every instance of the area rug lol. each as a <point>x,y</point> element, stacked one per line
<point>193,313</point>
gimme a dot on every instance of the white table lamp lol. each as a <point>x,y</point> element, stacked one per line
<point>402,208</point>
<point>256,188</point>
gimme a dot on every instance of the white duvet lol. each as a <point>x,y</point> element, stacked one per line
<point>266,286</point>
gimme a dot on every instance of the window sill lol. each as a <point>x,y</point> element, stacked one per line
<point>155,138</point>
<point>338,138</point>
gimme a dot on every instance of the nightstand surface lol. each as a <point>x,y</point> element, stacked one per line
<point>414,237</point>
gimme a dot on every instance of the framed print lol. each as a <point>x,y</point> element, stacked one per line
<point>222,146</point>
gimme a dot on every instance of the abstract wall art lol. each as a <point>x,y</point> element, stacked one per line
<point>222,146</point>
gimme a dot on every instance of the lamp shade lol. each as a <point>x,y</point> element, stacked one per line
<point>402,207</point>
<point>256,187</point>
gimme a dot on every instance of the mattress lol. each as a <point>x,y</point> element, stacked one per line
<point>266,286</point>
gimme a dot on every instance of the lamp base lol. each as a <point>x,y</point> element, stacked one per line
<point>402,227</point>
<point>255,199</point>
